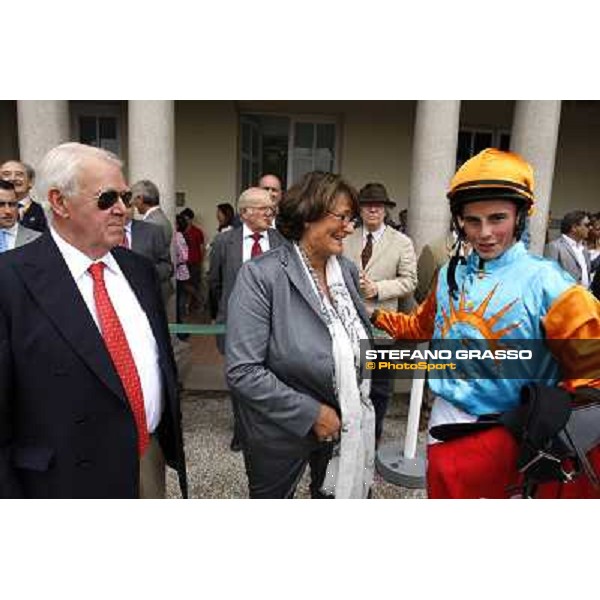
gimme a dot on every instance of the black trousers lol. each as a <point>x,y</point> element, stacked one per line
<point>381,392</point>
<point>272,474</point>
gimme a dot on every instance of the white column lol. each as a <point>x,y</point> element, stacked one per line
<point>433,164</point>
<point>42,124</point>
<point>152,148</point>
<point>534,136</point>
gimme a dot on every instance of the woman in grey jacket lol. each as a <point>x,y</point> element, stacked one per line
<point>294,328</point>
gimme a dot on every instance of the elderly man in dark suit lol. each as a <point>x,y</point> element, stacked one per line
<point>12,233</point>
<point>232,248</point>
<point>22,175</point>
<point>147,239</point>
<point>569,249</point>
<point>88,395</point>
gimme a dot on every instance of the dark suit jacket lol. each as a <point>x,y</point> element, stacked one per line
<point>66,428</point>
<point>279,361</point>
<point>35,218</point>
<point>225,261</point>
<point>147,239</point>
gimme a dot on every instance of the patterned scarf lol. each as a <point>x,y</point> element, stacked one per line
<point>351,468</point>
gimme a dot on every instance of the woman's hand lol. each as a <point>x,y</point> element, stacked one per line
<point>327,426</point>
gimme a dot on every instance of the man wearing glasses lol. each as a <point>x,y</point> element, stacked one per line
<point>569,249</point>
<point>21,175</point>
<point>12,234</point>
<point>232,248</point>
<point>88,393</point>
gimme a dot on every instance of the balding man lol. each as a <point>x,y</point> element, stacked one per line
<point>272,184</point>
<point>232,248</point>
<point>22,176</point>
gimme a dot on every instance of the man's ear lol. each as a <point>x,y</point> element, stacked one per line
<point>57,203</point>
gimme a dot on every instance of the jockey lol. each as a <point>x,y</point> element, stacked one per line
<point>501,293</point>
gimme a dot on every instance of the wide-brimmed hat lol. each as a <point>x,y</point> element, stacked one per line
<point>492,175</point>
<point>374,192</point>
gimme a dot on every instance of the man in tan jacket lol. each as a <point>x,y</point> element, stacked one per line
<point>388,271</point>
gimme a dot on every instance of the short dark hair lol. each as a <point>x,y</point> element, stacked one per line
<point>572,219</point>
<point>309,200</point>
<point>7,185</point>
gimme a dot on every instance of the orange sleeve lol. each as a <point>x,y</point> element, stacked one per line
<point>573,334</point>
<point>418,325</point>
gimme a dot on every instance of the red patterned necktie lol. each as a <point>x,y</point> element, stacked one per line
<point>118,348</point>
<point>256,249</point>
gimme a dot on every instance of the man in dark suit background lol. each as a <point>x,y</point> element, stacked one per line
<point>88,395</point>
<point>147,239</point>
<point>232,248</point>
<point>22,176</point>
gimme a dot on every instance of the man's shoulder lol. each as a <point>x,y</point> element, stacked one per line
<point>27,233</point>
<point>145,227</point>
<point>396,236</point>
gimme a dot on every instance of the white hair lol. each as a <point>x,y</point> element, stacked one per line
<point>61,167</point>
<point>251,196</point>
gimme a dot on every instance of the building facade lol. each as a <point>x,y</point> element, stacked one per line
<point>201,153</point>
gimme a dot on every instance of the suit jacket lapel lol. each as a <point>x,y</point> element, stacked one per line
<point>571,252</point>
<point>295,272</point>
<point>236,249</point>
<point>48,278</point>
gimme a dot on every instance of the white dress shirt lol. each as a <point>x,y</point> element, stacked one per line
<point>133,320</point>
<point>377,234</point>
<point>11,236</point>
<point>247,234</point>
<point>577,248</point>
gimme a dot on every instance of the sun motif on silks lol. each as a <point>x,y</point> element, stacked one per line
<point>476,318</point>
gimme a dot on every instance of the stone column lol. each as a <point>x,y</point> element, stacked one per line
<point>433,164</point>
<point>152,148</point>
<point>42,124</point>
<point>534,136</point>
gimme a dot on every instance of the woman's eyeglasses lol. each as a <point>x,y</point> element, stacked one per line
<point>109,198</point>
<point>345,219</point>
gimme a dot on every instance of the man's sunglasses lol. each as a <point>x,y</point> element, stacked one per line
<point>109,198</point>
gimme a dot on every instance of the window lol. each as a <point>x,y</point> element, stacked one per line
<point>286,146</point>
<point>473,141</point>
<point>97,124</point>
<point>312,147</point>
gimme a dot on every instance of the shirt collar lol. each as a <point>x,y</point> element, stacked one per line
<point>12,230</point>
<point>575,245</point>
<point>77,262</point>
<point>376,234</point>
<point>25,202</point>
<point>515,252</point>
<point>247,232</point>
<point>149,212</point>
